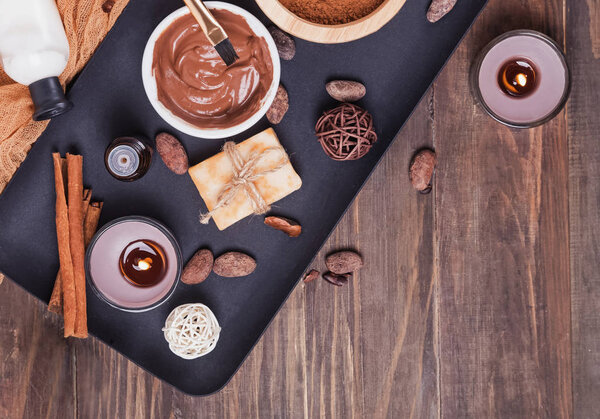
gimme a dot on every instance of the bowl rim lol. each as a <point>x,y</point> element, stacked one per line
<point>330,34</point>
<point>174,121</point>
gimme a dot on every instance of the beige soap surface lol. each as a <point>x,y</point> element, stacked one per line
<point>211,175</point>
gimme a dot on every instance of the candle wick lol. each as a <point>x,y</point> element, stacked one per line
<point>144,264</point>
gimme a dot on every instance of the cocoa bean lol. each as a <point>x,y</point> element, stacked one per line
<point>107,6</point>
<point>234,264</point>
<point>346,90</point>
<point>421,170</point>
<point>344,262</point>
<point>337,279</point>
<point>438,9</point>
<point>286,47</point>
<point>279,107</point>
<point>311,275</point>
<point>198,268</point>
<point>172,153</point>
<point>290,227</point>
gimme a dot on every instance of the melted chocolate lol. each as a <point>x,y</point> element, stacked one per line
<point>194,83</point>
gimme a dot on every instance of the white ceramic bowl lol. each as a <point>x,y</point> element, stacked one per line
<point>184,126</point>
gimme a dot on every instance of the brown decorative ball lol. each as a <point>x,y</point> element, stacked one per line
<point>346,132</point>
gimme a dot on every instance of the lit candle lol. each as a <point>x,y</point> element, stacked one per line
<point>133,263</point>
<point>521,79</point>
<point>517,78</point>
<point>142,263</point>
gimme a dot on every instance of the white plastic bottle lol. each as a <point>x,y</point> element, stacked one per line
<point>34,51</point>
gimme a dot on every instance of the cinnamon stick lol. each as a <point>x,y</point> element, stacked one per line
<point>87,198</point>
<point>64,247</point>
<point>75,208</point>
<point>89,228</point>
<point>55,304</point>
<point>90,224</point>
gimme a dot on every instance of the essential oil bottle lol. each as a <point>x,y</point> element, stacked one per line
<point>128,158</point>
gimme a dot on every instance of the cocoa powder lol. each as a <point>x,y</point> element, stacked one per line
<point>331,12</point>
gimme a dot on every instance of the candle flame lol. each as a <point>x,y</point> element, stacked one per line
<point>522,79</point>
<point>145,264</point>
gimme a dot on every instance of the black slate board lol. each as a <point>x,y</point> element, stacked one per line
<point>397,64</point>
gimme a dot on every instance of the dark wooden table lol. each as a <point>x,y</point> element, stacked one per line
<point>481,299</point>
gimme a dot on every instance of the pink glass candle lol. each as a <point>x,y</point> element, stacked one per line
<point>109,251</point>
<point>521,79</point>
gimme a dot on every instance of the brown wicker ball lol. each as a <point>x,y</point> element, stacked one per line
<point>346,132</point>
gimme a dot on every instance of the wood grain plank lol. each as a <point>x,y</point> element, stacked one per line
<point>583,47</point>
<point>501,214</point>
<point>394,229</point>
<point>35,361</point>
<point>271,383</point>
<point>492,314</point>
<point>364,350</point>
<point>110,386</point>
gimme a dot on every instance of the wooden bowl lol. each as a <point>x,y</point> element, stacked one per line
<point>330,34</point>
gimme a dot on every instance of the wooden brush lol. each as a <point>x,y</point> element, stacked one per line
<point>213,30</point>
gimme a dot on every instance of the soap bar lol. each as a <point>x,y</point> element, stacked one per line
<point>213,174</point>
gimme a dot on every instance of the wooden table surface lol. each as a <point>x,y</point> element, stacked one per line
<point>479,300</point>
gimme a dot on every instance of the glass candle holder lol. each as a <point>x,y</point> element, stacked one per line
<point>521,79</point>
<point>133,263</point>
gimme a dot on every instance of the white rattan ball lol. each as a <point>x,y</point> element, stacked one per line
<point>191,330</point>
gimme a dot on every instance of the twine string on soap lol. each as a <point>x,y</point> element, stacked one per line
<point>244,175</point>
<point>192,330</point>
<point>346,132</point>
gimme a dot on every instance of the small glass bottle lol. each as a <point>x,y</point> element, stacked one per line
<point>128,158</point>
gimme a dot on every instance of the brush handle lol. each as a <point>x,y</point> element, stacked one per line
<point>207,21</point>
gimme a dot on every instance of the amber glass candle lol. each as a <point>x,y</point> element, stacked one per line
<point>521,79</point>
<point>133,263</point>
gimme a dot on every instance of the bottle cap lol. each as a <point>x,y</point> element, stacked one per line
<point>122,161</point>
<point>48,98</point>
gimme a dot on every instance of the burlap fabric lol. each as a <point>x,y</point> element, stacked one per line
<point>86,23</point>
